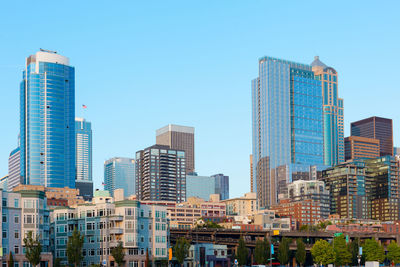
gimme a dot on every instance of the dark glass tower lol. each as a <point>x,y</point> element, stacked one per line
<point>47,121</point>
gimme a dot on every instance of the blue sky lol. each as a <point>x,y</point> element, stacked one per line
<point>143,64</point>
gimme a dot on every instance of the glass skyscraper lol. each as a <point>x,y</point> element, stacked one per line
<point>119,173</point>
<point>332,113</point>
<point>287,127</point>
<point>83,152</point>
<point>204,186</point>
<point>47,121</point>
<point>14,170</point>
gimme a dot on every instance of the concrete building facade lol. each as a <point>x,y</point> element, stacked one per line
<point>179,138</point>
<point>357,147</point>
<point>161,174</point>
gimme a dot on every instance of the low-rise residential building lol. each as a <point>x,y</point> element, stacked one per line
<point>241,206</point>
<point>268,220</point>
<point>310,190</point>
<point>106,222</point>
<point>300,212</point>
<point>185,214</point>
<point>70,194</point>
<point>211,255</point>
<point>23,212</point>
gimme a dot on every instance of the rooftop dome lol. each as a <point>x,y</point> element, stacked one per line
<point>318,63</point>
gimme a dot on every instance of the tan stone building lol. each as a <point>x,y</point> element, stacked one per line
<point>241,206</point>
<point>55,193</point>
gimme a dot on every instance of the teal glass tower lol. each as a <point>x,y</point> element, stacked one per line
<point>287,127</point>
<point>47,121</point>
<point>332,113</point>
<point>119,173</point>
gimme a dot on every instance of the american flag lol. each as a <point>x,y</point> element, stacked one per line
<point>84,106</point>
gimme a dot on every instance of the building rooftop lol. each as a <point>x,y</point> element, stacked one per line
<point>175,128</point>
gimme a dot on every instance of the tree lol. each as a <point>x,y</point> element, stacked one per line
<point>259,252</point>
<point>33,248</point>
<point>300,252</point>
<point>118,254</point>
<point>267,250</point>
<point>342,254</point>
<point>57,262</point>
<point>283,251</point>
<point>354,248</point>
<point>181,249</point>
<point>323,253</point>
<point>10,260</point>
<point>74,248</point>
<point>393,254</point>
<point>373,251</point>
<point>242,252</point>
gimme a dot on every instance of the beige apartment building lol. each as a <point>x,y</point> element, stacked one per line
<point>241,206</point>
<point>185,214</point>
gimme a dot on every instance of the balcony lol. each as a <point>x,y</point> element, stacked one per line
<point>114,243</point>
<point>117,218</point>
<point>116,231</point>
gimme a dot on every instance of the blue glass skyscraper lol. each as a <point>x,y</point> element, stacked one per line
<point>287,127</point>
<point>83,143</point>
<point>47,121</point>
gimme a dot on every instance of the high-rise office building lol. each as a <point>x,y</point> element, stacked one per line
<point>161,174</point>
<point>221,185</point>
<point>119,173</point>
<point>332,113</point>
<point>47,121</point>
<point>83,142</point>
<point>251,174</point>
<point>383,174</point>
<point>200,186</point>
<point>179,138</point>
<point>349,190</point>
<point>365,189</point>
<point>204,186</point>
<point>287,127</point>
<point>357,147</point>
<point>14,172</point>
<point>377,128</point>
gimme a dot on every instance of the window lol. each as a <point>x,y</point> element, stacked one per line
<point>4,234</point>
<point>16,218</point>
<point>4,218</point>
<point>16,203</point>
<point>4,202</point>
<point>28,203</point>
<point>16,234</point>
<point>16,249</point>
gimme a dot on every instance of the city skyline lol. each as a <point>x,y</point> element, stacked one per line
<point>218,72</point>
